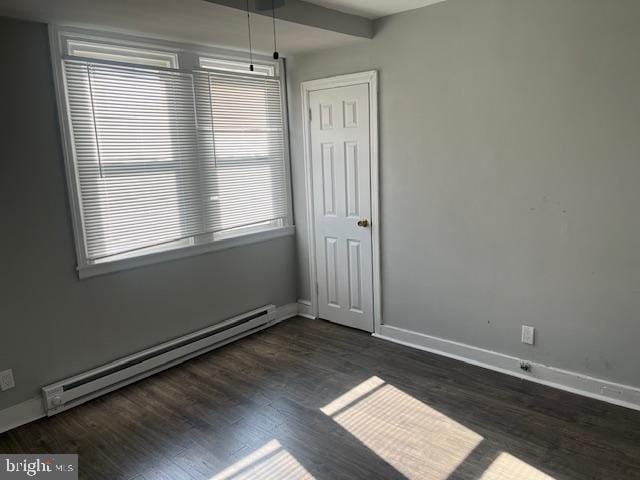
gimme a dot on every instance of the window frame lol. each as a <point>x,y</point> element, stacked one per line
<point>234,66</point>
<point>187,57</point>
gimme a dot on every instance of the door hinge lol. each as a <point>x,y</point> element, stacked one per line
<point>317,288</point>
<point>310,115</point>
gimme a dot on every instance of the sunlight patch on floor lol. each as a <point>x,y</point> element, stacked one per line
<point>508,467</point>
<point>415,439</point>
<point>352,395</point>
<point>269,462</point>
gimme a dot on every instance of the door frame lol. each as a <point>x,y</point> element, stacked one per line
<point>371,79</point>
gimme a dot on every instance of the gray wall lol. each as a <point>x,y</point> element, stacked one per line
<point>510,166</point>
<point>51,324</point>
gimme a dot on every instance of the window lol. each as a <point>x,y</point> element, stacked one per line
<point>167,160</point>
<point>236,66</point>
<point>117,53</point>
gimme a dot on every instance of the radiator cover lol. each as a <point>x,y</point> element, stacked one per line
<point>78,389</point>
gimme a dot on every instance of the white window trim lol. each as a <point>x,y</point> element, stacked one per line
<point>185,252</point>
<point>226,65</point>
<point>58,36</point>
<point>153,58</point>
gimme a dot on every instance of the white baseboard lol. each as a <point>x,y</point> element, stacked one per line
<point>22,413</point>
<point>618,394</point>
<point>305,310</point>
<point>285,312</point>
<point>33,409</point>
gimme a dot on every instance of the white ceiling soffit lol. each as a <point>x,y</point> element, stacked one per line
<point>374,8</point>
<point>192,21</point>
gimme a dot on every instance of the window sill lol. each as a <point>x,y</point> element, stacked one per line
<point>93,270</point>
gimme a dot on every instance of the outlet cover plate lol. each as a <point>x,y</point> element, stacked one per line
<point>6,380</point>
<point>528,334</point>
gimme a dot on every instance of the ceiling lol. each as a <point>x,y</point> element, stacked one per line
<point>374,8</point>
<point>193,21</point>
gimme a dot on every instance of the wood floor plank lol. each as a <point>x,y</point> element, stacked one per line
<point>309,399</point>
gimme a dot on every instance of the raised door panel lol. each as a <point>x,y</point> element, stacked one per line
<point>352,177</point>
<point>328,179</point>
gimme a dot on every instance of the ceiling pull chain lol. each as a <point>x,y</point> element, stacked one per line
<point>276,55</point>
<point>249,29</point>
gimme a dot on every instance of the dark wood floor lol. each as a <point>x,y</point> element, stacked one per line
<point>308,399</point>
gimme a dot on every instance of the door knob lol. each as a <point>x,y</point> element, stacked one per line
<point>364,223</point>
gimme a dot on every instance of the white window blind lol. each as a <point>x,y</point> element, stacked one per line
<point>240,124</point>
<point>166,159</point>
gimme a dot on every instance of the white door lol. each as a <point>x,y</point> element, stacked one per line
<point>341,170</point>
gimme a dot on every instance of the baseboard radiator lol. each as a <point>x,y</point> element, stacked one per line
<point>76,390</point>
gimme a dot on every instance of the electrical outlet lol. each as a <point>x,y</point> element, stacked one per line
<point>528,335</point>
<point>6,380</point>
